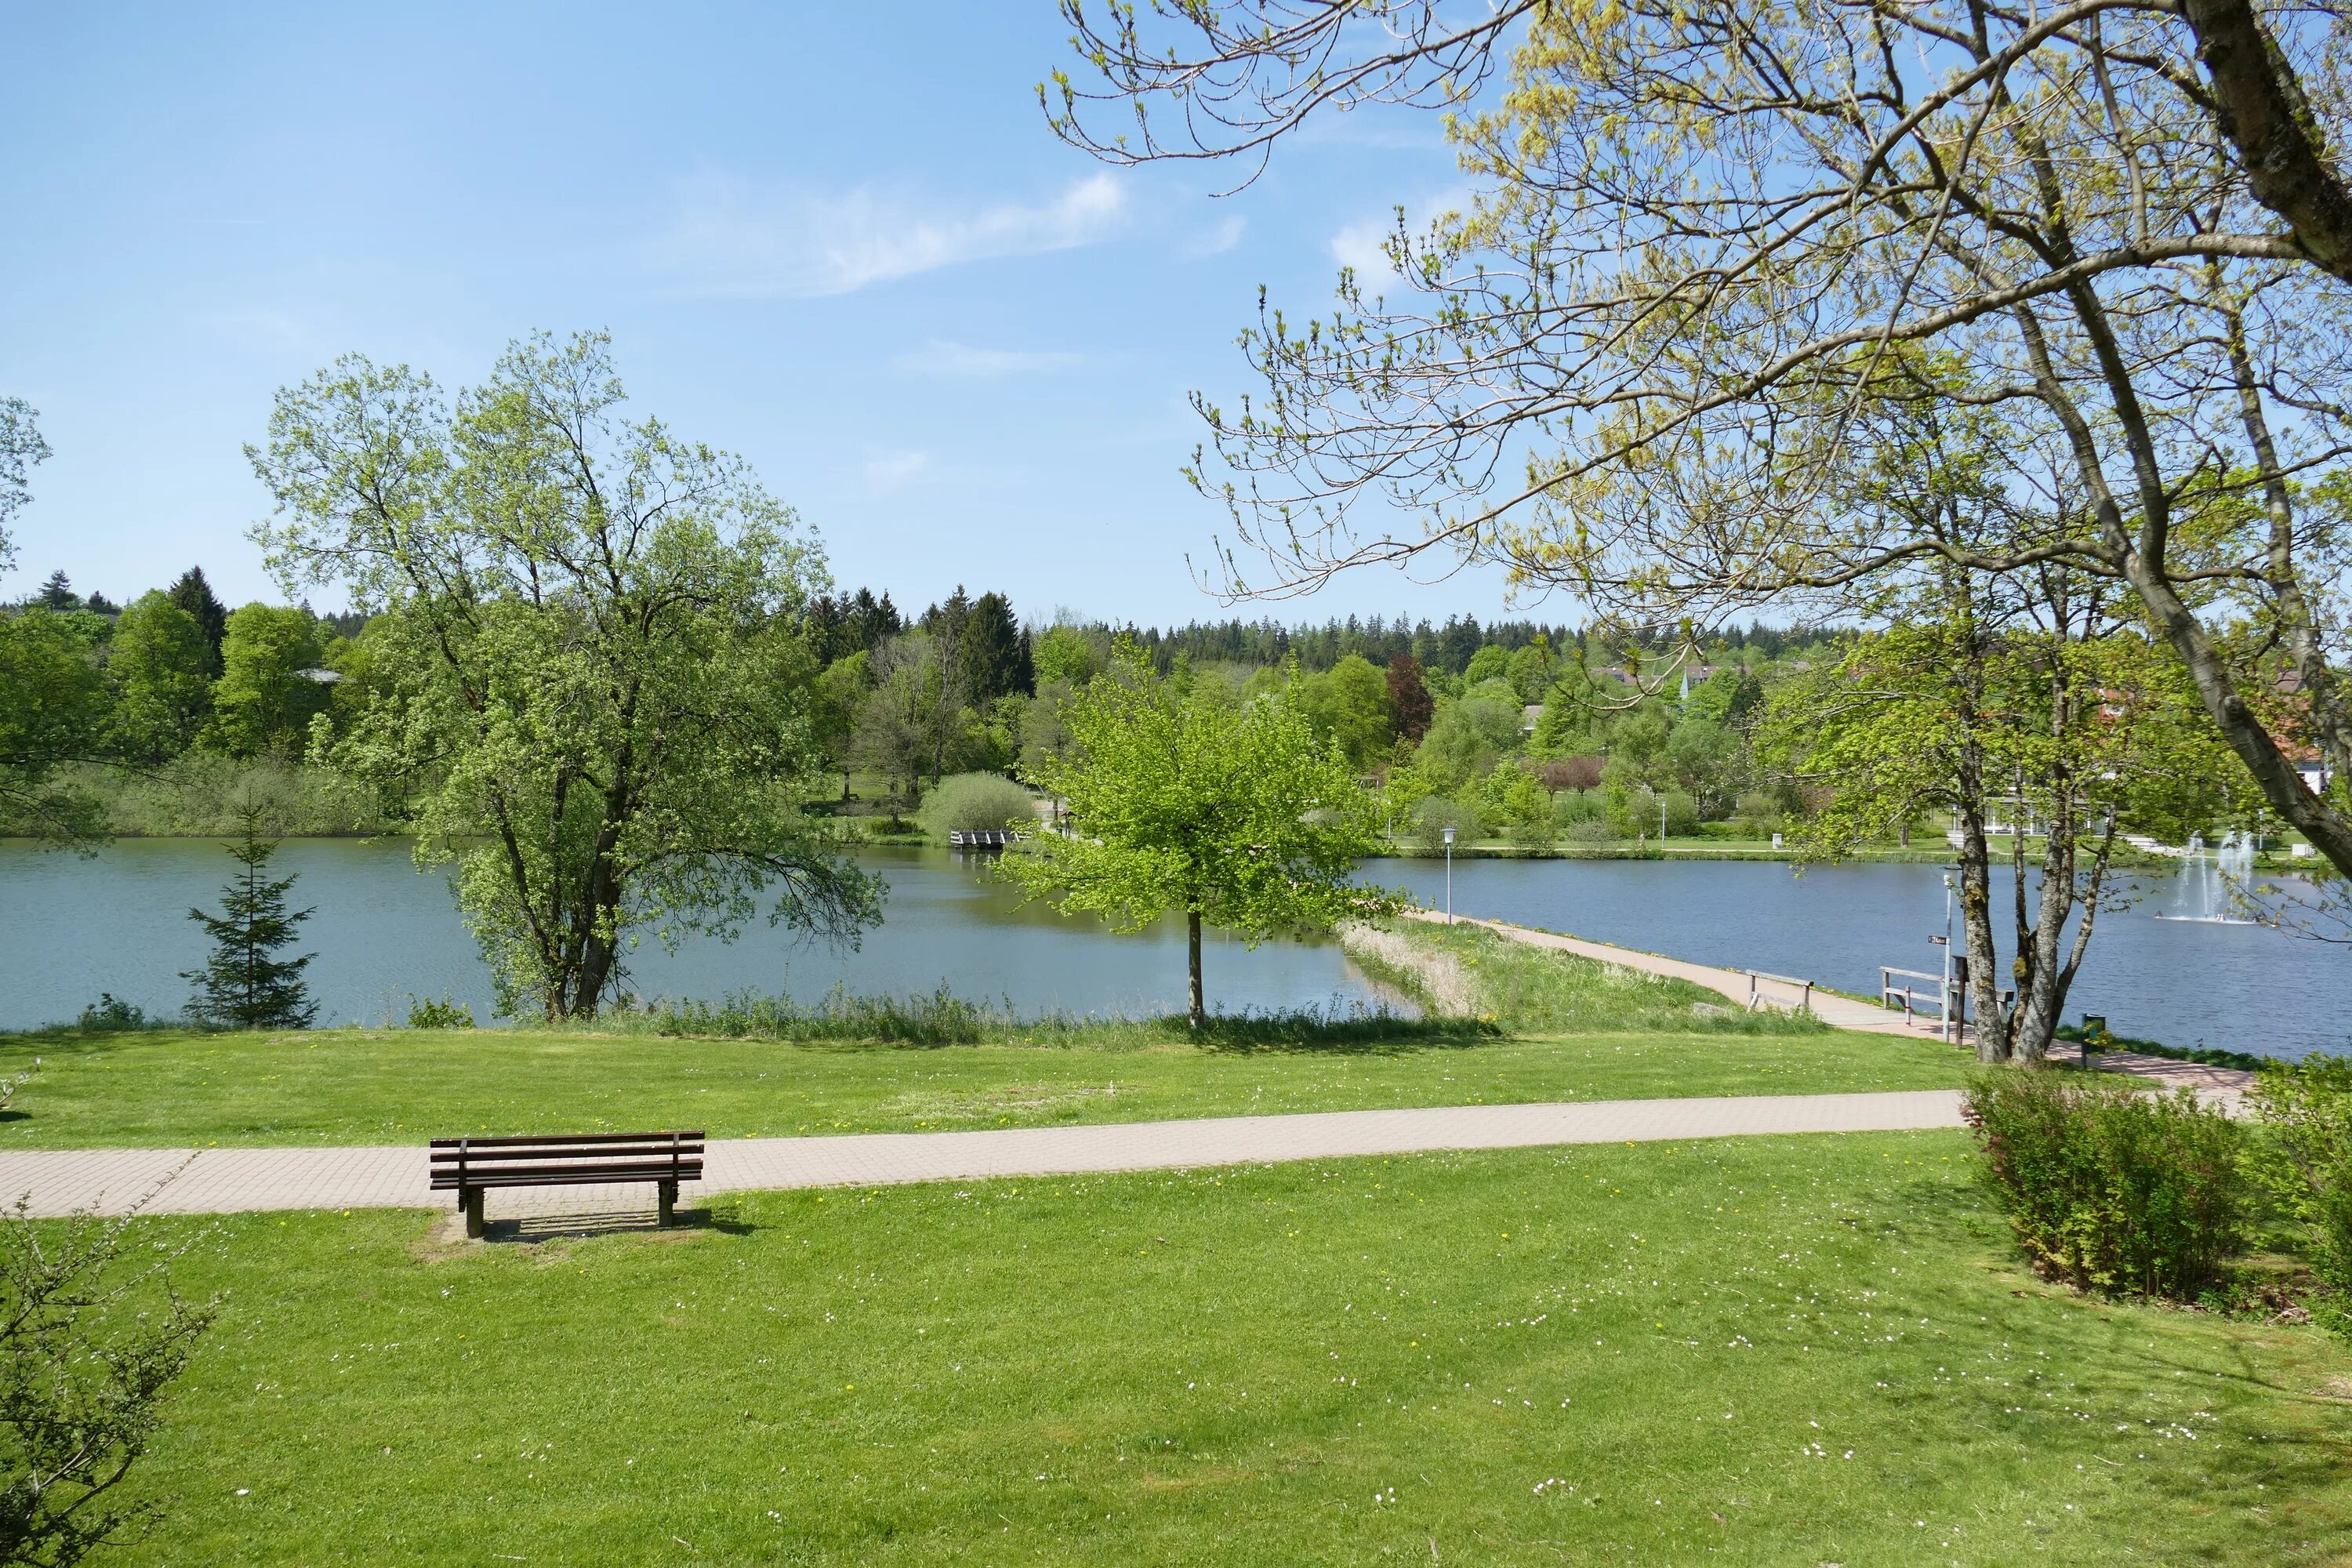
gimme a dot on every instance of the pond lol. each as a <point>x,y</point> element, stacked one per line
<point>2244,987</point>
<point>385,934</point>
<point>70,928</point>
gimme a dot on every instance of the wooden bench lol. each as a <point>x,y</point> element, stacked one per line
<point>471,1166</point>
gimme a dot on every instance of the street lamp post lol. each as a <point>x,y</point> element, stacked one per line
<point>1950,1033</point>
<point>1449,876</point>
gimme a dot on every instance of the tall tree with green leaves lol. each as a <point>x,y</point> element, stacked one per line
<point>53,700</point>
<point>589,634</point>
<point>1232,817</point>
<point>263,701</point>
<point>159,664</point>
<point>245,985</point>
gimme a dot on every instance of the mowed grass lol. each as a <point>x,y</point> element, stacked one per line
<point>365,1087</point>
<point>1762,1351</point>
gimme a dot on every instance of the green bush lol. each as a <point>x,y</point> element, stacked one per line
<point>972,803</point>
<point>2308,1105</point>
<point>1435,815</point>
<point>2110,1188</point>
<point>446,1012</point>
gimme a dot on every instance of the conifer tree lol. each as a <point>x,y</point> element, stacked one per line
<point>243,985</point>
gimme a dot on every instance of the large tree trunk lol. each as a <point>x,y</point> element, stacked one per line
<point>1975,921</point>
<point>2262,109</point>
<point>1198,1013</point>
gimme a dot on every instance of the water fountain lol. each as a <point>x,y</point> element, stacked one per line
<point>2212,887</point>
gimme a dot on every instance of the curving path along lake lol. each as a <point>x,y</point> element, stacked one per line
<point>2244,987</point>
<point>384,933</point>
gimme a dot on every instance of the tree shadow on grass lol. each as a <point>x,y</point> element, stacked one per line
<point>531,1229</point>
<point>1372,1035</point>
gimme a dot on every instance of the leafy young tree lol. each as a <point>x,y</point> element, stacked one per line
<point>833,710</point>
<point>160,669</point>
<point>52,698</point>
<point>589,630</point>
<point>1234,817</point>
<point>1350,704</point>
<point>910,721</point>
<point>1704,234</point>
<point>245,985</point>
<point>263,701</point>
<point>91,1339</point>
<point>1065,654</point>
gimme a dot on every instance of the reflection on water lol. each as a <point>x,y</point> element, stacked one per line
<point>2244,987</point>
<point>385,934</point>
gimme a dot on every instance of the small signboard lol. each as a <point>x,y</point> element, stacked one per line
<point>1940,941</point>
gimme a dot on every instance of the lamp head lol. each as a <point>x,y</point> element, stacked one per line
<point>1449,839</point>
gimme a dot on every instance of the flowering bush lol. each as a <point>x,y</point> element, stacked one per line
<point>2111,1188</point>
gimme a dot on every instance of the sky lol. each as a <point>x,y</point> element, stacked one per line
<point>839,241</point>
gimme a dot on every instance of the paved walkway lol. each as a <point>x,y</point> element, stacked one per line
<point>214,1181</point>
<point>2223,1084</point>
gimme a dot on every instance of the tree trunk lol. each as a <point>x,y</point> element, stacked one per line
<point>1198,1014</point>
<point>2261,108</point>
<point>1975,920</point>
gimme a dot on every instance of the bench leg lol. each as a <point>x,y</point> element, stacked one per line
<point>472,1198</point>
<point>668,1202</point>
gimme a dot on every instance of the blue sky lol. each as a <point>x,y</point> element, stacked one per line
<point>837,240</point>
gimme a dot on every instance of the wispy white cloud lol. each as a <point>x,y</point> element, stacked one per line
<point>1217,240</point>
<point>1364,246</point>
<point>731,237</point>
<point>889,470</point>
<point>963,361</point>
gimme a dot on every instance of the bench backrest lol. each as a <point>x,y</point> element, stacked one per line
<point>561,1157</point>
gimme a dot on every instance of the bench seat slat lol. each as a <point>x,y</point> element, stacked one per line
<point>583,1177</point>
<point>450,1158</point>
<point>545,1138</point>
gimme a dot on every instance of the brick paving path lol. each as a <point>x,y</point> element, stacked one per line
<point>214,1181</point>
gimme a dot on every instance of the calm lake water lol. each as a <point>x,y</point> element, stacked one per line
<point>384,935</point>
<point>2244,987</point>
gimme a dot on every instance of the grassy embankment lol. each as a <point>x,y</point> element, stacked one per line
<point>1764,1351</point>
<point>1532,1026</point>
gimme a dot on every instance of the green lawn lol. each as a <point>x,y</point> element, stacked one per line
<point>403,1085</point>
<point>1765,1350</point>
<point>1585,1031</point>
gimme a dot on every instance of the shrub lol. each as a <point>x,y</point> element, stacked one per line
<point>91,1338</point>
<point>446,1013</point>
<point>2309,1106</point>
<point>1435,815</point>
<point>112,1015</point>
<point>2109,1188</point>
<point>972,803</point>
<point>1590,830</point>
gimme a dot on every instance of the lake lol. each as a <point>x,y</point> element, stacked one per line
<point>384,933</point>
<point>2244,987</point>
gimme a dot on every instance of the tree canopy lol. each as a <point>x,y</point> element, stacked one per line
<point>1706,235</point>
<point>589,633</point>
<point>1231,816</point>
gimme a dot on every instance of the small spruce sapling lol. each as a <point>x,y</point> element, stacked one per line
<point>243,985</point>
